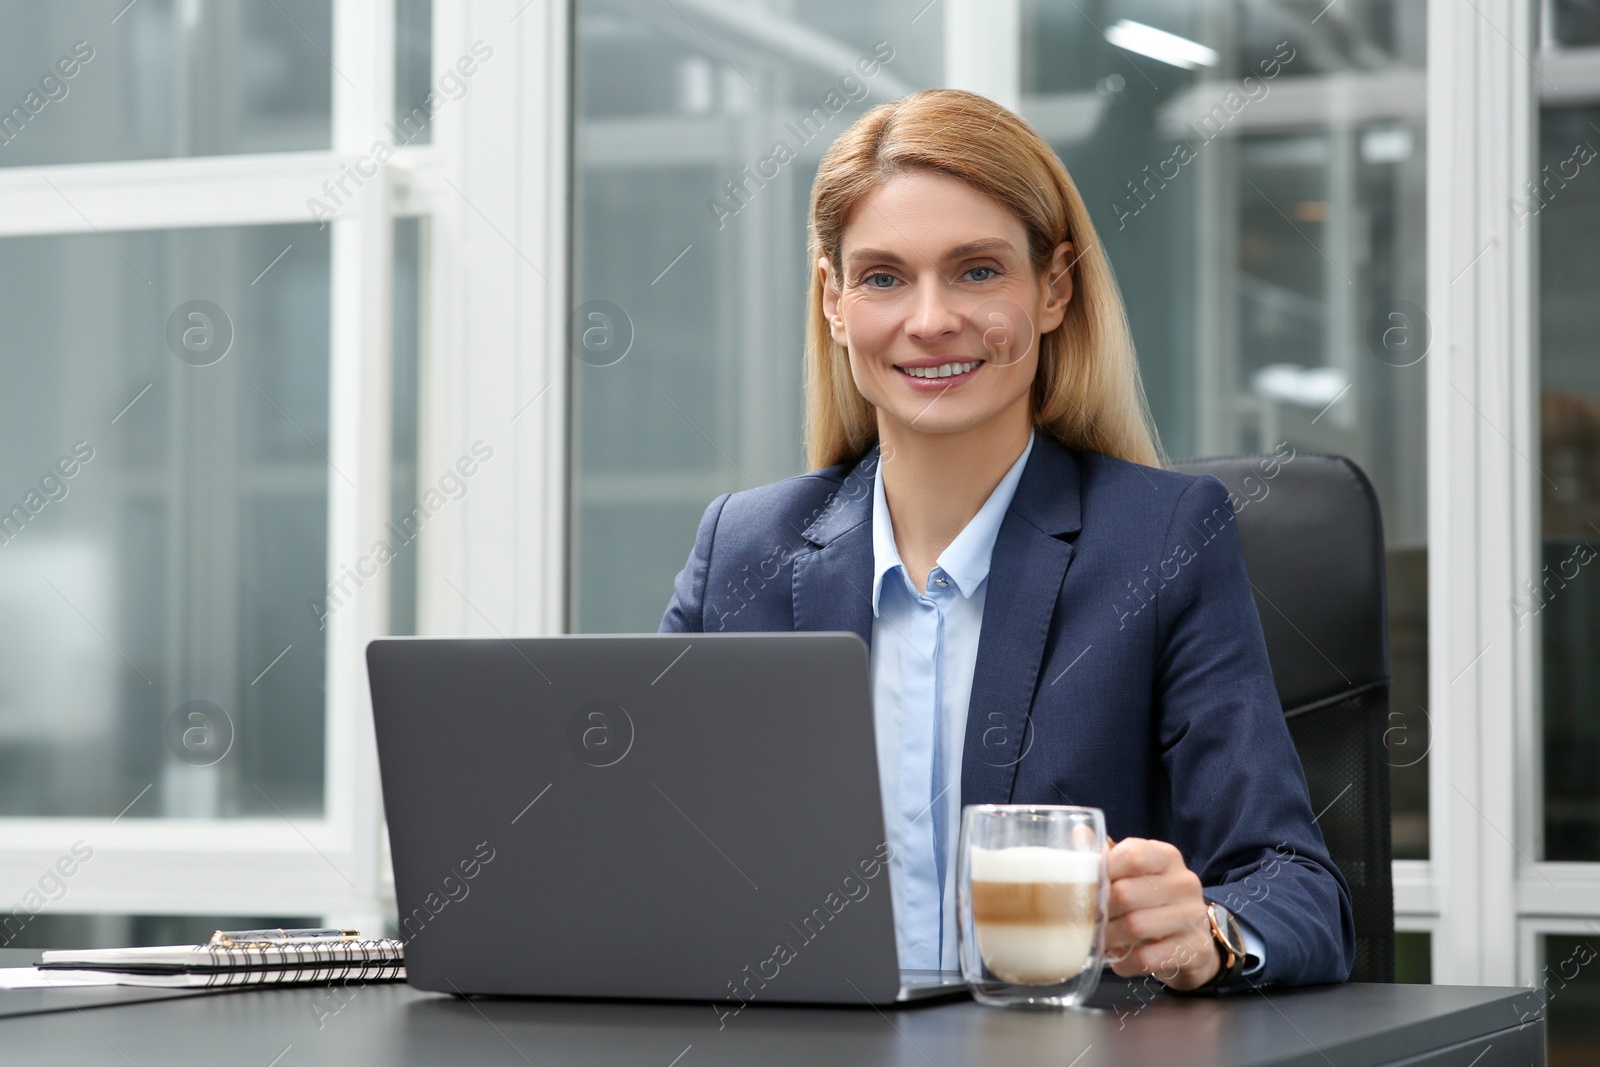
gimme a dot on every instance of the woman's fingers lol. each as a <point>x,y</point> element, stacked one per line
<point>1142,856</point>
<point>1147,926</point>
<point>1152,891</point>
<point>1165,880</point>
<point>1166,960</point>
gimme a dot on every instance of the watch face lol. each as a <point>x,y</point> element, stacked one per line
<point>1227,929</point>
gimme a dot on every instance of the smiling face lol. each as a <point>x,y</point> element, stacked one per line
<point>939,306</point>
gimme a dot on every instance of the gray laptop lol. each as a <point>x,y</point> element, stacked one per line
<point>685,816</point>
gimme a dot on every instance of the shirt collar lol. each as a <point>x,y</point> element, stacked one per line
<point>965,559</point>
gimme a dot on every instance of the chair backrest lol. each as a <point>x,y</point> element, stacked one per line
<point>1312,538</point>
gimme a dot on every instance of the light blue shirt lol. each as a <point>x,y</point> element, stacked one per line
<point>924,651</point>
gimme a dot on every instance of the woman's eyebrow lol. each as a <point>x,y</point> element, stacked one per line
<point>986,244</point>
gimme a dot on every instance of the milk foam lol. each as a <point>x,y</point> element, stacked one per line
<point>1033,863</point>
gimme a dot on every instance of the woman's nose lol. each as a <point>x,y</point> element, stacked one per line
<point>934,314</point>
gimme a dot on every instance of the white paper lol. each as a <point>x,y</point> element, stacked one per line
<point>34,978</point>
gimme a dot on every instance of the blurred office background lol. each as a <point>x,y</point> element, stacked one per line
<point>551,238</point>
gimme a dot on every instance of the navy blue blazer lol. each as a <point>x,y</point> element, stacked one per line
<point>1120,665</point>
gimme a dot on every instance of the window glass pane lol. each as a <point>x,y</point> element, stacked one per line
<point>1574,23</point>
<point>163,522</point>
<point>690,249</point>
<point>402,569</point>
<point>1568,985</point>
<point>413,71</point>
<point>1271,257</point>
<point>97,80</point>
<point>1564,598</point>
<point>1413,956</point>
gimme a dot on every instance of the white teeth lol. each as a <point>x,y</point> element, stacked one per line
<point>942,371</point>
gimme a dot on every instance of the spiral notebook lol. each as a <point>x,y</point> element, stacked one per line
<point>203,966</point>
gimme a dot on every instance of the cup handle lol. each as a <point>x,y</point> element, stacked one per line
<point>1128,951</point>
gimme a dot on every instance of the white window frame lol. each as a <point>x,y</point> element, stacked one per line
<point>1486,74</point>
<point>492,187</point>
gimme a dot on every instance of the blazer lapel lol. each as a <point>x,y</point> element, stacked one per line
<point>1025,575</point>
<point>833,583</point>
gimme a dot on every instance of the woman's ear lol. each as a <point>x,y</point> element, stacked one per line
<point>830,301</point>
<point>1058,287</point>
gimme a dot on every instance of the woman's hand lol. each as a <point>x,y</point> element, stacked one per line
<point>1157,921</point>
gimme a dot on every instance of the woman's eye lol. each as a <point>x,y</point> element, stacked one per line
<point>869,282</point>
<point>991,270</point>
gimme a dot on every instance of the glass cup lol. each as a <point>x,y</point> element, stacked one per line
<point>1031,896</point>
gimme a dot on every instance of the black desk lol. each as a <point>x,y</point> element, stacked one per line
<point>1337,1026</point>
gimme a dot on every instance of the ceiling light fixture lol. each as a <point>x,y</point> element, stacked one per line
<point>1159,44</point>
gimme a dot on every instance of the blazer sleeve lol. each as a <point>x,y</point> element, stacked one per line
<point>686,611</point>
<point>1240,810</point>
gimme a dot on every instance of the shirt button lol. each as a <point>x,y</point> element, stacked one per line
<point>940,582</point>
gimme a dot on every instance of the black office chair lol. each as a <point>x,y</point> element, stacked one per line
<point>1313,547</point>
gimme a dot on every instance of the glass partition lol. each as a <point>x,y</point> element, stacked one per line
<point>689,265</point>
<point>1259,187</point>
<point>1257,173</point>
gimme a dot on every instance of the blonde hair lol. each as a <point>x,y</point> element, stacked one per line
<point>1087,392</point>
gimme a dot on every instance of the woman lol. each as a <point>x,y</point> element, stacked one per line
<point>1052,617</point>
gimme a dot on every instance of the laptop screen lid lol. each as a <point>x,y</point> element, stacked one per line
<point>691,816</point>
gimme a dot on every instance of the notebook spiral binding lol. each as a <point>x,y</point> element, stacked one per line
<point>307,962</point>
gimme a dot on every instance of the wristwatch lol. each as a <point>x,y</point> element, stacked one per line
<point>1230,948</point>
